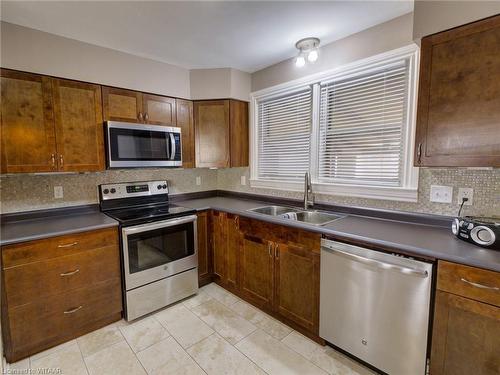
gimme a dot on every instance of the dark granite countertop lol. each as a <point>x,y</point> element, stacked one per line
<point>35,225</point>
<point>429,241</point>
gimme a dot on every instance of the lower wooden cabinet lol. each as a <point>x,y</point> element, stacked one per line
<point>57,289</point>
<point>204,246</point>
<point>466,329</point>
<point>271,266</point>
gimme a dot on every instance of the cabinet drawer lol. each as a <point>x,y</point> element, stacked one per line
<point>64,315</point>
<point>33,281</point>
<point>475,283</point>
<point>27,252</point>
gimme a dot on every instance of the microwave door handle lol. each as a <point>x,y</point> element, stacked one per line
<point>172,146</point>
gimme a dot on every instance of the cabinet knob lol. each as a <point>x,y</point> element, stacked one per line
<point>53,160</point>
<point>146,117</point>
<point>270,249</point>
<point>277,251</point>
<point>61,161</point>
<point>140,116</point>
<point>419,153</point>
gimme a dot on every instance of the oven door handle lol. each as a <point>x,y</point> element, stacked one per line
<point>172,146</point>
<point>158,224</point>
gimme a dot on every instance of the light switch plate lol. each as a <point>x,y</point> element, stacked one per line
<point>441,194</point>
<point>58,192</point>
<point>243,180</point>
<point>198,180</point>
<point>465,193</point>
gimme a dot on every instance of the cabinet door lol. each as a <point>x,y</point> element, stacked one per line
<point>203,249</point>
<point>219,245</point>
<point>232,251</point>
<point>297,285</point>
<point>211,122</point>
<point>185,121</point>
<point>28,133</point>
<point>458,119</point>
<point>159,110</point>
<point>79,126</point>
<point>466,337</point>
<point>122,105</point>
<point>239,133</point>
<point>257,268</point>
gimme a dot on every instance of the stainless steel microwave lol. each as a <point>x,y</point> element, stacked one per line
<point>131,145</point>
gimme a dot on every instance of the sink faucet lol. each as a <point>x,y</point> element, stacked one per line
<point>308,193</point>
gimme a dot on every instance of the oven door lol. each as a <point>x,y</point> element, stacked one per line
<point>141,145</point>
<point>159,249</point>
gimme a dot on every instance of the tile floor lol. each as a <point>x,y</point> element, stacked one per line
<point>213,332</point>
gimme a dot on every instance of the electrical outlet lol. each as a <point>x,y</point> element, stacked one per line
<point>58,192</point>
<point>243,180</point>
<point>465,193</point>
<point>198,180</point>
<point>441,194</point>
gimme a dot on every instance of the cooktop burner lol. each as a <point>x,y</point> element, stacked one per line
<point>146,214</point>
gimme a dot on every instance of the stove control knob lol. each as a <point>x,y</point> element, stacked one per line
<point>105,191</point>
<point>113,190</point>
<point>159,187</point>
<point>470,226</point>
<point>164,186</point>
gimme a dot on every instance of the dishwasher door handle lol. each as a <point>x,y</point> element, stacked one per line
<point>379,264</point>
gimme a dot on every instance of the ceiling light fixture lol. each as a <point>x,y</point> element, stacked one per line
<point>307,47</point>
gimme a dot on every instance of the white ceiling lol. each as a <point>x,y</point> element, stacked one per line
<point>246,35</point>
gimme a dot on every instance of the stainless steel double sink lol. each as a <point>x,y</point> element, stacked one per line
<point>306,216</point>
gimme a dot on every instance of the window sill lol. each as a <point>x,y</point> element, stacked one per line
<point>357,191</point>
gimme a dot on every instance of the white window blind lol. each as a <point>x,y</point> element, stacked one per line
<point>284,132</point>
<point>361,127</point>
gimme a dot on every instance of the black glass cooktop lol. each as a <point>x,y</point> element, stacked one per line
<point>137,215</point>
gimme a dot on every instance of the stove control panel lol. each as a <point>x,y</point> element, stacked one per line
<point>133,189</point>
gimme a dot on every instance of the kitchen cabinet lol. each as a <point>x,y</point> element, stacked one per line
<point>57,289</point>
<point>204,246</point>
<point>134,106</point>
<point>280,271</point>
<point>458,113</point>
<point>185,121</point>
<point>226,249</point>
<point>79,126</point>
<point>466,330</point>
<point>221,132</point>
<point>28,133</point>
<point>50,124</point>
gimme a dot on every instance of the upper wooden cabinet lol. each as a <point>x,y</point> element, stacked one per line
<point>221,128</point>
<point>79,126</point>
<point>28,132</point>
<point>185,121</point>
<point>50,124</point>
<point>135,106</point>
<point>458,119</point>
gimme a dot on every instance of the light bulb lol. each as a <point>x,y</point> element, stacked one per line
<point>300,61</point>
<point>312,56</point>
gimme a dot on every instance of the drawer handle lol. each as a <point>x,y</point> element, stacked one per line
<point>480,285</point>
<point>70,273</point>
<point>73,310</point>
<point>69,244</point>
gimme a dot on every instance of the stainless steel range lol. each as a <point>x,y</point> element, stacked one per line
<point>158,245</point>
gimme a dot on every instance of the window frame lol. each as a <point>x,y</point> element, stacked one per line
<point>408,191</point>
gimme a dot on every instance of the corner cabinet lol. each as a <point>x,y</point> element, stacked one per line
<point>204,248</point>
<point>50,125</point>
<point>466,330</point>
<point>458,114</point>
<point>221,128</point>
<point>185,121</point>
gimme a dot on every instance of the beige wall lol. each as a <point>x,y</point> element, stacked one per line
<point>39,52</point>
<point>220,83</point>
<point>433,16</point>
<point>384,37</point>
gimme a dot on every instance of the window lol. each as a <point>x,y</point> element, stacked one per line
<point>361,127</point>
<point>351,128</point>
<point>284,134</point>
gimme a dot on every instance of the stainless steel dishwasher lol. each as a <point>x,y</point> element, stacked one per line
<point>375,306</point>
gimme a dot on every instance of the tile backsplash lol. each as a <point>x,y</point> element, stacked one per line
<point>31,192</point>
<point>486,185</point>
